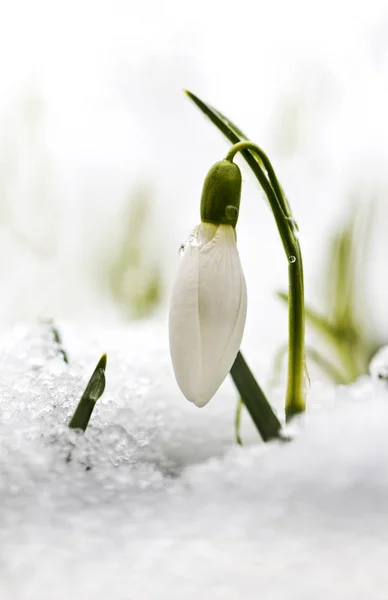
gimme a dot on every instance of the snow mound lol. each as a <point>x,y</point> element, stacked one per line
<point>155,500</point>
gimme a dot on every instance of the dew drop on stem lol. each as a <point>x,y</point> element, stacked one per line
<point>231,212</point>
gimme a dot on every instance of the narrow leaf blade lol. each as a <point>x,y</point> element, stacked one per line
<point>255,401</point>
<point>231,132</point>
<point>93,391</point>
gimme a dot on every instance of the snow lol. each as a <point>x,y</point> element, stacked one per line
<point>158,502</point>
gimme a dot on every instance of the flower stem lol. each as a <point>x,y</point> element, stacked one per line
<point>295,393</point>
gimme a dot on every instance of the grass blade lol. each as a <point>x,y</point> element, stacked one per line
<point>93,391</point>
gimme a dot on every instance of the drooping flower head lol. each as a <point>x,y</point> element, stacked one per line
<point>209,299</point>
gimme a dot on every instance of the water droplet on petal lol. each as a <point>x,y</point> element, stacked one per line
<point>231,212</point>
<point>292,259</point>
<point>195,239</point>
<point>196,236</point>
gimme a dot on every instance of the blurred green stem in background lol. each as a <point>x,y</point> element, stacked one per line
<point>324,365</point>
<point>133,272</point>
<point>340,328</point>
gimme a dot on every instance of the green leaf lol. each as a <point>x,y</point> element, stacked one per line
<point>255,401</point>
<point>231,131</point>
<point>237,421</point>
<point>93,391</point>
<point>233,134</point>
<point>259,163</point>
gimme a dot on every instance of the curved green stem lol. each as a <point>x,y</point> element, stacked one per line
<point>295,394</point>
<point>278,206</point>
<point>247,145</point>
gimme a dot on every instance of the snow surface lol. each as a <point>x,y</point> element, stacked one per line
<point>158,502</point>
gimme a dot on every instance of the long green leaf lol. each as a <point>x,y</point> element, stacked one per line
<point>233,134</point>
<point>254,399</point>
<point>258,163</point>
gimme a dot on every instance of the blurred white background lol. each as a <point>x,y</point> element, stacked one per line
<point>102,157</point>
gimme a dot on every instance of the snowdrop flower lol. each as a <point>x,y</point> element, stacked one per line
<point>209,298</point>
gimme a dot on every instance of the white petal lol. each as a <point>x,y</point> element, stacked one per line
<point>222,309</point>
<point>184,330</point>
<point>208,311</point>
<point>184,326</point>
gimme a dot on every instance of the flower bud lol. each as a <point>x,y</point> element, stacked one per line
<point>207,312</point>
<point>220,201</point>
